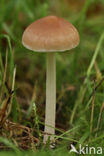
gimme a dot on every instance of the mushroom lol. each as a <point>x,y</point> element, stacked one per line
<point>50,34</point>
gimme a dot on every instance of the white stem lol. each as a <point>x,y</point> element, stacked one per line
<point>50,97</point>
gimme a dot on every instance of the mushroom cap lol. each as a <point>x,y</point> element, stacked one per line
<point>50,34</point>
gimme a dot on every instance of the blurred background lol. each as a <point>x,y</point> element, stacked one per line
<point>80,86</point>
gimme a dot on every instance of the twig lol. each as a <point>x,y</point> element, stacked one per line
<point>99,119</point>
<point>13,85</point>
<point>92,111</point>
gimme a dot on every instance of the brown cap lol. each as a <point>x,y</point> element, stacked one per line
<point>50,34</point>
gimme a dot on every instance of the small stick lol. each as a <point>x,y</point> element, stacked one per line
<point>99,119</point>
<point>13,85</point>
<point>92,111</point>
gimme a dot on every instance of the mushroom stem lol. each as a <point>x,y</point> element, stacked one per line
<point>50,97</point>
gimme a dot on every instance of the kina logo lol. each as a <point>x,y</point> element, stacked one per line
<point>86,150</point>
